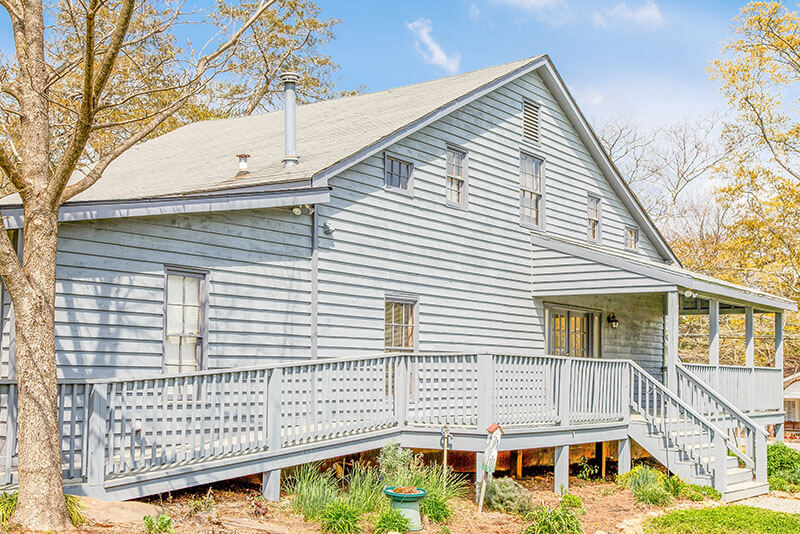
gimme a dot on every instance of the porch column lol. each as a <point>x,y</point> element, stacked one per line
<point>713,340</point>
<point>561,467</point>
<point>623,456</point>
<point>271,485</point>
<point>749,357</point>
<point>673,304</point>
<point>779,340</point>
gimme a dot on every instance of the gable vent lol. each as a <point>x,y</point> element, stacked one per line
<point>530,122</point>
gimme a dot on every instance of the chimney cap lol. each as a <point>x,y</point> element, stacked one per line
<point>290,77</point>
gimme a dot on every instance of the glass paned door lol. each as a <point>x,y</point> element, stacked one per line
<point>572,333</point>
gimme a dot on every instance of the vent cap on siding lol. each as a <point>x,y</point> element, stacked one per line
<point>531,131</point>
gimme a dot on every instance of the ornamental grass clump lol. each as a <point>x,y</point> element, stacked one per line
<point>312,490</point>
<point>391,520</point>
<point>559,520</point>
<point>340,517</point>
<point>365,489</point>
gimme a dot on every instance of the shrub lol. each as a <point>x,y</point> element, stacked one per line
<point>506,495</point>
<point>723,520</point>
<point>586,471</point>
<point>572,502</point>
<point>397,465</point>
<point>674,485</point>
<point>781,457</point>
<point>158,525</point>
<point>641,475</point>
<point>206,503</point>
<point>552,521</point>
<point>435,508</point>
<point>339,517</point>
<point>391,520</point>
<point>365,489</point>
<point>8,505</point>
<point>400,467</point>
<point>312,490</point>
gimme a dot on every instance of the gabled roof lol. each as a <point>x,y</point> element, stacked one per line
<point>332,135</point>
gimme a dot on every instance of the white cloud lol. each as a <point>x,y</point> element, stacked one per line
<point>474,12</point>
<point>430,50</point>
<point>529,4</point>
<point>647,15</point>
<point>590,97</point>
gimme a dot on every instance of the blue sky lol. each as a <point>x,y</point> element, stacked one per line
<point>644,60</point>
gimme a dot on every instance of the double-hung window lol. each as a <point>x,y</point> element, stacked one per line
<point>531,174</point>
<point>400,324</point>
<point>397,174</point>
<point>593,218</point>
<point>456,180</point>
<point>184,321</point>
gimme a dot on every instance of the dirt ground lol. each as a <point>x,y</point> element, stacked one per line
<point>606,507</point>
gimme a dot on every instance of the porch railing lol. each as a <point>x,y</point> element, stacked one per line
<point>750,389</point>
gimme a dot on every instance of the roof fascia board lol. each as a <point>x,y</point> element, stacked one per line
<point>386,141</point>
<point>684,280</point>
<point>602,291</point>
<point>81,211</point>
<point>560,91</point>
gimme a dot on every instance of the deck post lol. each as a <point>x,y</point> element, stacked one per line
<point>401,390</point>
<point>271,480</point>
<point>673,311</point>
<point>623,456</point>
<point>713,340</point>
<point>485,391</point>
<point>96,443</point>
<point>749,355</point>
<point>561,466</point>
<point>760,456</point>
<point>563,392</point>
<point>720,462</point>
<point>779,340</point>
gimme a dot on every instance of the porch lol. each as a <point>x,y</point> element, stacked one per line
<point>123,439</point>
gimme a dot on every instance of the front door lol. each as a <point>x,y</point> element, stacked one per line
<point>571,332</point>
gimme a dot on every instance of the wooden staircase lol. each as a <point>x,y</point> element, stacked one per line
<point>699,436</point>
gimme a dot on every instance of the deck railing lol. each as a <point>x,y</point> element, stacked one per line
<point>751,389</point>
<point>116,428</point>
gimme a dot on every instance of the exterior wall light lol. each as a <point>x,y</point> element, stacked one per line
<point>613,322</point>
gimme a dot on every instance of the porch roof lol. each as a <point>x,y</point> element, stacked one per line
<point>641,274</point>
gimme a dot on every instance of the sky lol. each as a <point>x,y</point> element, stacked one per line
<point>639,60</point>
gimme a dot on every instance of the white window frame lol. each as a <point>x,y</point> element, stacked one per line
<point>523,190</point>
<point>409,190</point>
<point>202,275</point>
<point>413,301</point>
<point>464,178</point>
<point>635,231</point>
<point>597,238</point>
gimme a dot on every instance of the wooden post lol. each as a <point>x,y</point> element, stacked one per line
<point>519,464</point>
<point>779,341</point>
<point>673,311</point>
<point>749,355</point>
<point>760,456</point>
<point>603,460</point>
<point>713,340</point>
<point>561,467</point>
<point>623,456</point>
<point>563,391</point>
<point>485,390</point>
<point>720,462</point>
<point>98,436</point>
<point>271,480</point>
<point>401,390</point>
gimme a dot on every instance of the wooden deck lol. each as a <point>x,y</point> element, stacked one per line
<point>126,438</point>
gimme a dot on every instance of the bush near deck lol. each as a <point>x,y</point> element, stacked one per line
<point>783,468</point>
<point>724,520</point>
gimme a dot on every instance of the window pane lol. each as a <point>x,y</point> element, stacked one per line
<point>191,320</point>
<point>172,350</point>
<point>191,291</point>
<point>174,289</point>
<point>174,319</point>
<point>189,348</point>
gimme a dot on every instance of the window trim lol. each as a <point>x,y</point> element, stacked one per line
<point>410,189</point>
<point>464,204</point>
<point>635,247</point>
<point>599,219</point>
<point>542,183</point>
<point>403,298</point>
<point>595,338</point>
<point>203,275</point>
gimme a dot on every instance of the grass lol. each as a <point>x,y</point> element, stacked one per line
<point>312,490</point>
<point>8,505</point>
<point>559,520</point>
<point>340,517</point>
<point>391,520</point>
<point>158,525</point>
<point>365,489</point>
<point>435,508</point>
<point>724,520</point>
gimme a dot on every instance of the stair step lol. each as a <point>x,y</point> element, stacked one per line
<point>730,461</point>
<point>743,490</point>
<point>739,474</point>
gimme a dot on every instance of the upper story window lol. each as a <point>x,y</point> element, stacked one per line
<point>456,181</point>
<point>593,216</point>
<point>531,130</point>
<point>400,326</point>
<point>531,180</point>
<point>184,321</point>
<point>397,174</point>
<point>631,238</point>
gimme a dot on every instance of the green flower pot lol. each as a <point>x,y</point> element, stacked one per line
<point>408,505</point>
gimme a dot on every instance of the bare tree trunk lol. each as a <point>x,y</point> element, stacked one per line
<point>41,489</point>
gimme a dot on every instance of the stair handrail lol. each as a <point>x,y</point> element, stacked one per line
<point>759,434</point>
<point>718,435</point>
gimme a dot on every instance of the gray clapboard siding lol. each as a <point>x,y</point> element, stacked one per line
<point>110,289</point>
<point>640,336</point>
